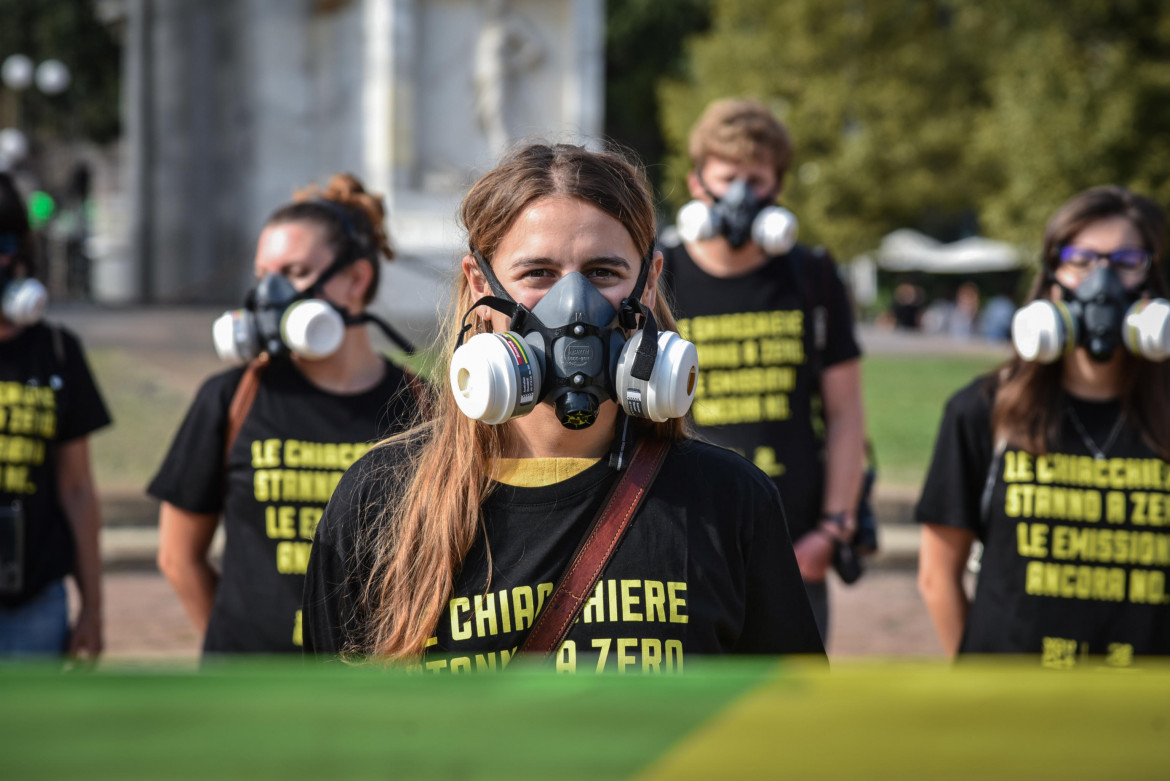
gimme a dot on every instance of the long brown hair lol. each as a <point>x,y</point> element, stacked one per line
<point>424,532</point>
<point>1029,399</point>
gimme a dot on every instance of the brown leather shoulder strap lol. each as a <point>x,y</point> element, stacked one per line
<point>242,401</point>
<point>594,552</point>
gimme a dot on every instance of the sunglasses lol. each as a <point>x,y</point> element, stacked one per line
<point>9,243</point>
<point>1122,259</point>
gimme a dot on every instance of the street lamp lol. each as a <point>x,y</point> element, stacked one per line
<point>19,72</point>
<point>13,146</point>
<point>53,77</point>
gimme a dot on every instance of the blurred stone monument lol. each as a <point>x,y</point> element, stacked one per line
<point>230,106</point>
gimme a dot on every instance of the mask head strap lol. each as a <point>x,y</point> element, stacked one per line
<point>706,189</point>
<point>391,333</point>
<point>353,249</point>
<point>621,447</point>
<point>628,311</point>
<point>493,281</point>
<point>501,301</point>
<point>632,306</point>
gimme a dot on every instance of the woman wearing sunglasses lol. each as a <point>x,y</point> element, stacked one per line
<point>1057,462</point>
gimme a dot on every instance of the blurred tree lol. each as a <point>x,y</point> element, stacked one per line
<point>925,113</point>
<point>1078,95</point>
<point>644,42</point>
<point>69,31</point>
<point>877,98</point>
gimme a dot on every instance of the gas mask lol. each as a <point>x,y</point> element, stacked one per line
<point>741,217</point>
<point>22,299</point>
<point>1100,315</point>
<point>571,351</point>
<point>277,319</point>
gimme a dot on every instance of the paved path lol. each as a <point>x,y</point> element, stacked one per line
<point>882,615</point>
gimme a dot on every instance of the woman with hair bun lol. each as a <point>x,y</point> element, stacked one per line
<point>263,446</point>
<point>1059,462</point>
<point>444,546</point>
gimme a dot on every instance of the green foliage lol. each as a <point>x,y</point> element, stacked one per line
<point>65,30</point>
<point>147,407</point>
<point>867,89</point>
<point>643,42</point>
<point>924,113</point>
<point>1078,96</point>
<point>902,416</point>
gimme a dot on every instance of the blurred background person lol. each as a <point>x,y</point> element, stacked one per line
<point>1057,461</point>
<point>965,315</point>
<point>995,321</point>
<point>49,515</point>
<point>936,317</point>
<point>774,328</point>
<point>906,306</point>
<point>264,446</point>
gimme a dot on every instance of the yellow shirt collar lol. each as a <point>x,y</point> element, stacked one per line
<point>537,472</point>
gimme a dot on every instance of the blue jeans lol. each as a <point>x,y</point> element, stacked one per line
<point>39,627</point>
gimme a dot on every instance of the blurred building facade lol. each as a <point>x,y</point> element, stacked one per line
<point>230,105</point>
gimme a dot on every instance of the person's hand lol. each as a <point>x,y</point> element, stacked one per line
<point>814,555</point>
<point>85,641</point>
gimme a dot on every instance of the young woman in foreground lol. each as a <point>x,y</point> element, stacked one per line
<point>441,546</point>
<point>1057,462</point>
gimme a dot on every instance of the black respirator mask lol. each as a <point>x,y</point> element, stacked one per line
<point>1099,315</point>
<point>278,319</point>
<point>740,216</point>
<point>571,351</point>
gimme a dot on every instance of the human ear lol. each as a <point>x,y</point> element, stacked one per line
<point>475,278</point>
<point>361,276</point>
<point>477,283</point>
<point>695,186</point>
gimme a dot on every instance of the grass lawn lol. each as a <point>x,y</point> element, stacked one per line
<point>904,398</point>
<point>147,410</point>
<point>148,403</point>
<point>725,718</point>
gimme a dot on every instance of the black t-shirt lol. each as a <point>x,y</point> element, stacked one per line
<point>757,359</point>
<point>47,397</point>
<point>291,450</point>
<point>1076,549</point>
<point>703,569</point>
